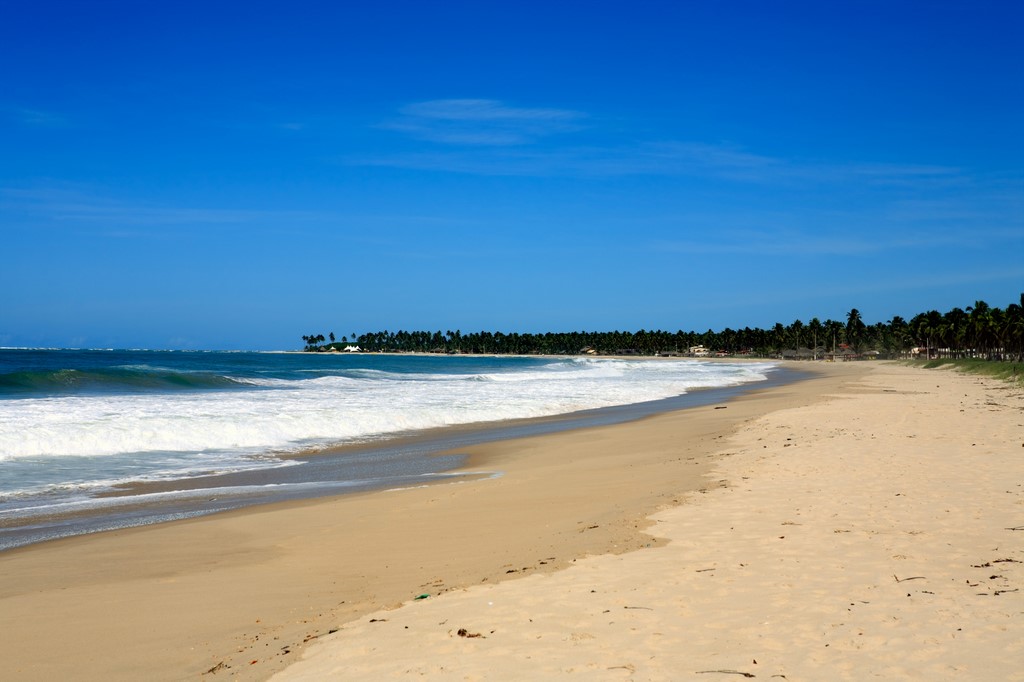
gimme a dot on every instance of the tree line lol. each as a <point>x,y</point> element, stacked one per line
<point>977,331</point>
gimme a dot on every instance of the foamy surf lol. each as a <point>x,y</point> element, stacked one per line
<point>77,423</point>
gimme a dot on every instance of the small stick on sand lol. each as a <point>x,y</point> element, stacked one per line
<point>903,580</point>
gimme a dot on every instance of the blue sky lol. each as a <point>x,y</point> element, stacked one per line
<point>236,175</point>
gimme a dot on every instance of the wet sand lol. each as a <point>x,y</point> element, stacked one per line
<point>402,460</point>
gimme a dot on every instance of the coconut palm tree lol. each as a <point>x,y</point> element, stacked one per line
<point>854,329</point>
<point>899,332</point>
<point>1013,329</point>
<point>925,329</point>
<point>817,334</point>
<point>980,327</point>
<point>797,328</point>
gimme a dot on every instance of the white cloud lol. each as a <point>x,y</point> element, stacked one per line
<point>481,122</point>
<point>35,118</point>
<point>125,220</point>
<point>489,137</point>
<point>660,158</point>
<point>483,110</point>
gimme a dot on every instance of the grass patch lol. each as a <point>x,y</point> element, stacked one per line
<point>1006,371</point>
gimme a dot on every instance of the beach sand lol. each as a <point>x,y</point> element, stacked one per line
<point>876,534</point>
<point>856,524</point>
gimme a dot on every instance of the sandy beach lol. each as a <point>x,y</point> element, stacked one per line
<point>857,524</point>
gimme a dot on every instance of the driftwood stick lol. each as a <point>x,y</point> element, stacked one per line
<point>727,672</point>
<point>903,580</point>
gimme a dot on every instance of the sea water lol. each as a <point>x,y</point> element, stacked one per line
<point>76,424</point>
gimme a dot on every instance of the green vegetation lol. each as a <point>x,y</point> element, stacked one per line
<point>1007,371</point>
<point>978,332</point>
<point>314,341</point>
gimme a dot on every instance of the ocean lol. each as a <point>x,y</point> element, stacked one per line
<point>99,439</point>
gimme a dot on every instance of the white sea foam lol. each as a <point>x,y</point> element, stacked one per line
<point>296,414</point>
<point>68,446</point>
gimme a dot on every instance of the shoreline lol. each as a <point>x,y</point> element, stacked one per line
<point>245,589</point>
<point>399,460</point>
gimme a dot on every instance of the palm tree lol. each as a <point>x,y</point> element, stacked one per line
<point>833,329</point>
<point>927,327</point>
<point>312,341</point>
<point>797,327</point>
<point>854,329</point>
<point>955,328</point>
<point>899,332</point>
<point>1013,329</point>
<point>997,340</point>
<point>817,332</point>
<point>980,326</point>
<point>779,337</point>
